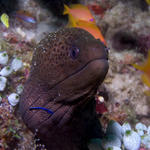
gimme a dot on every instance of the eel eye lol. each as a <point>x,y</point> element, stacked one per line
<point>74,52</point>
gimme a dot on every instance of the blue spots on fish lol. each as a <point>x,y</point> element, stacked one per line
<point>41,108</point>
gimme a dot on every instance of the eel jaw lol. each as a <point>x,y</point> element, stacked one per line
<point>74,86</point>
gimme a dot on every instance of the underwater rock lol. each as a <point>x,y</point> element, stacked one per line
<point>66,70</point>
<point>144,43</point>
<point>57,6</point>
<point>144,5</point>
<point>8,6</point>
<point>138,4</point>
<point>123,40</point>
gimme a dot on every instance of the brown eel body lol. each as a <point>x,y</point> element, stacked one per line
<point>66,70</point>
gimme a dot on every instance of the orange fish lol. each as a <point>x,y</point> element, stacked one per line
<point>78,11</point>
<point>81,17</point>
<point>91,28</point>
<point>145,68</point>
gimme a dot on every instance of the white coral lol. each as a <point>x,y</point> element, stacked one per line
<point>3,82</point>
<point>6,71</point>
<point>131,140</point>
<point>3,58</point>
<point>13,99</point>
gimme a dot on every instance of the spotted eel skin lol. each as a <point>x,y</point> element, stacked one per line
<point>66,70</point>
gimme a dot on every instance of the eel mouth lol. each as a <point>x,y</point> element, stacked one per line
<point>81,82</point>
<point>103,62</point>
<point>93,70</point>
<point>99,64</point>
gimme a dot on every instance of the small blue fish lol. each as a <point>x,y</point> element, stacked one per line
<point>25,16</point>
<point>41,108</point>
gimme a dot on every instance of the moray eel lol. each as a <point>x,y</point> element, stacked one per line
<point>67,68</point>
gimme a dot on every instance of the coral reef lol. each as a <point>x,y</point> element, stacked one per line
<point>126,28</point>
